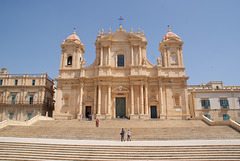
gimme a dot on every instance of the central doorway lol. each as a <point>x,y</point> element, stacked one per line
<point>153,112</point>
<point>120,107</point>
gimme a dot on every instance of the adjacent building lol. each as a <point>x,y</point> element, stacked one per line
<point>23,96</point>
<point>121,82</point>
<point>215,101</point>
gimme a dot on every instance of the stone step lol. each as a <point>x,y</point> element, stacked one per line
<point>16,156</point>
<point>110,130</point>
<point>36,151</point>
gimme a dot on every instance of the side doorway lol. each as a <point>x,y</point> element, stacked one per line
<point>88,111</point>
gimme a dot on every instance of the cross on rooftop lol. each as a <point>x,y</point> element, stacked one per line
<point>120,20</point>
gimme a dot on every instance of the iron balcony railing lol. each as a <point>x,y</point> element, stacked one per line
<point>46,103</point>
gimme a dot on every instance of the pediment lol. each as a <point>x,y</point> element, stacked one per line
<point>120,36</point>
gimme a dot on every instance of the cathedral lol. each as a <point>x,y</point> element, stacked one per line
<point>121,82</point>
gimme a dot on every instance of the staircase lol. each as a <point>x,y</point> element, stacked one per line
<point>110,130</point>
<point>151,140</point>
<point>43,151</point>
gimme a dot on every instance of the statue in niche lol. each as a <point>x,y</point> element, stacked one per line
<point>159,62</point>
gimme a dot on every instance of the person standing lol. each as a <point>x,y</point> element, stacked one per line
<point>128,135</point>
<point>97,123</point>
<point>122,135</point>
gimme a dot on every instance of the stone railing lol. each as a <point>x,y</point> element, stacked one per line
<point>229,122</point>
<point>26,123</point>
<point>3,124</point>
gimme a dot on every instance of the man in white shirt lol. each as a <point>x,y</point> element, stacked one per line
<point>128,135</point>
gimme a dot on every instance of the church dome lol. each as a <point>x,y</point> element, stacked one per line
<point>171,35</point>
<point>73,38</point>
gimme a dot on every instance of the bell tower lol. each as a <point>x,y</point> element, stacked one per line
<point>171,50</point>
<point>71,56</point>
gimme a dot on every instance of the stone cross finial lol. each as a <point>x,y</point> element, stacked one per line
<point>169,29</point>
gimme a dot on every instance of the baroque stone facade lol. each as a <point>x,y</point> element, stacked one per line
<point>23,96</point>
<point>121,82</point>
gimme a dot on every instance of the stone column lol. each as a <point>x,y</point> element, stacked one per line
<point>95,100</point>
<point>160,101</point>
<point>101,56</point>
<point>132,55</point>
<point>80,100</point>
<point>141,99</point>
<point>168,58</point>
<point>109,101</point>
<point>109,57</point>
<point>146,99</point>
<point>165,58</point>
<point>179,57</point>
<point>140,55</point>
<point>99,100</point>
<point>132,101</point>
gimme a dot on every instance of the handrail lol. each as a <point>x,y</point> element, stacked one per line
<point>22,123</point>
<point>229,122</point>
<point>3,124</point>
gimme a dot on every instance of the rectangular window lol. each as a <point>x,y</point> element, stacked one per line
<point>13,99</point>
<point>1,82</point>
<point>33,82</point>
<point>120,60</point>
<point>29,116</point>
<point>31,99</point>
<point>205,104</point>
<point>224,103</point>
<point>16,82</point>
<point>10,115</point>
<point>225,117</point>
<point>208,116</point>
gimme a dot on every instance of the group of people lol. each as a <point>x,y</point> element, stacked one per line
<point>123,135</point>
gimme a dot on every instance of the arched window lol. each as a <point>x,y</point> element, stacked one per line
<point>120,60</point>
<point>69,60</point>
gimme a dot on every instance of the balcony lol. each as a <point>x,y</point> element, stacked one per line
<point>27,103</point>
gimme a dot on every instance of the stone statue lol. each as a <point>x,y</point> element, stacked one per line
<point>159,61</point>
<point>83,62</point>
<point>144,61</point>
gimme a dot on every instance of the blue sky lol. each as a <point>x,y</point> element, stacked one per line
<point>31,32</point>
